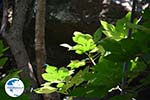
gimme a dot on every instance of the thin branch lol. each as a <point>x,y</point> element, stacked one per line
<point>124,78</point>
<point>132,17</point>
<point>125,65</point>
<point>5,17</point>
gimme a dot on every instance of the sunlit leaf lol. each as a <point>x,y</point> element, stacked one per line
<point>59,85</point>
<point>51,69</point>
<point>84,42</point>
<point>76,64</point>
<point>81,38</point>
<point>46,89</point>
<point>55,75</point>
<point>49,77</point>
<point>109,28</point>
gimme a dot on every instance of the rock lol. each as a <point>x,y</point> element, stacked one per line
<point>63,17</point>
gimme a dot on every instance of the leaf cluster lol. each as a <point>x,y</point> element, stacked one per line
<point>107,56</point>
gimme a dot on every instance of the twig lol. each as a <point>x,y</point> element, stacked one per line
<point>132,17</point>
<point>125,65</point>
<point>92,60</point>
<point>124,78</point>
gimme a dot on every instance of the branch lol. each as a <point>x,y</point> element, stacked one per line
<point>5,17</point>
<point>125,65</point>
<point>132,17</point>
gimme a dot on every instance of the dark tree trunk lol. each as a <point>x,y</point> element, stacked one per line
<point>40,46</point>
<point>40,38</point>
<point>14,39</point>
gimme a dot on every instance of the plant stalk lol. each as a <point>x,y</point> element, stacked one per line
<point>126,63</point>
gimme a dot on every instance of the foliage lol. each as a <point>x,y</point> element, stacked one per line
<point>107,56</point>
<point>9,74</point>
<point>2,58</point>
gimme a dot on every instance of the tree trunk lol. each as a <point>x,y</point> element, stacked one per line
<point>40,38</point>
<point>40,46</point>
<point>15,42</point>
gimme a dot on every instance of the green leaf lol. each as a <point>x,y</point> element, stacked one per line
<point>1,45</point>
<point>142,40</point>
<point>98,34</point>
<point>111,45</point>
<point>81,38</point>
<point>122,50</point>
<point>3,95</point>
<point>63,73</point>
<point>59,85</point>
<point>122,97</point>
<point>12,74</point>
<point>55,75</point>
<point>135,70</point>
<point>120,31</point>
<point>80,49</point>
<point>113,50</point>
<point>111,31</point>
<point>90,91</point>
<point>47,84</point>
<point>97,91</point>
<point>146,18</point>
<point>78,78</point>
<point>121,27</point>
<point>130,48</point>
<point>45,89</point>
<point>107,73</point>
<point>51,69</point>
<point>139,27</point>
<point>2,48</point>
<point>127,16</point>
<point>3,61</point>
<point>49,77</point>
<point>146,13</point>
<point>109,28</point>
<point>76,64</point>
<point>84,42</point>
<point>79,91</point>
<point>75,80</point>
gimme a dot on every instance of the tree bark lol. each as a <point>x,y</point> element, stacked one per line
<point>40,46</point>
<point>14,39</point>
<point>40,38</point>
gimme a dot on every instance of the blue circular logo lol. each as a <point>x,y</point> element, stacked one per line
<point>14,87</point>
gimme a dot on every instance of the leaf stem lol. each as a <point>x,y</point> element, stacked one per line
<point>132,17</point>
<point>124,78</point>
<point>125,65</point>
<point>92,60</point>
